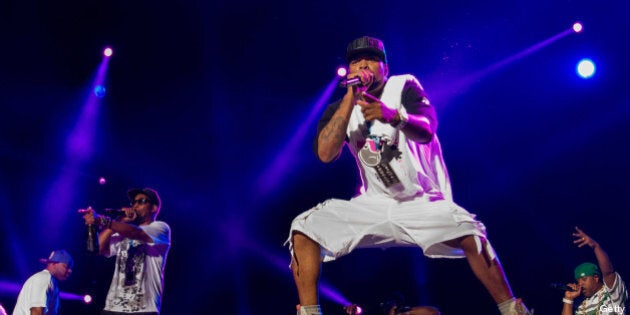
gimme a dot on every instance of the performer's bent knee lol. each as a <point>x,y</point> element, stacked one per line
<point>299,239</point>
<point>302,243</point>
<point>478,245</point>
<point>474,244</point>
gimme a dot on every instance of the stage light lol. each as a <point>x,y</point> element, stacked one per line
<point>341,71</point>
<point>102,181</point>
<point>585,68</point>
<point>100,91</point>
<point>107,52</point>
<point>577,27</point>
<point>87,299</point>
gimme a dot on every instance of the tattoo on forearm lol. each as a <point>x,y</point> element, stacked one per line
<point>335,131</point>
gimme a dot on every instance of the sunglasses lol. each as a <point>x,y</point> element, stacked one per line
<point>141,201</point>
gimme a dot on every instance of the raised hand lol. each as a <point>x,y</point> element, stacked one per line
<point>582,239</point>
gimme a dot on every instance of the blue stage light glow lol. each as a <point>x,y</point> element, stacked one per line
<point>100,91</point>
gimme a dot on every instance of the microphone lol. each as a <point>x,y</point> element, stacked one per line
<point>357,81</point>
<point>112,212</point>
<point>561,287</point>
<point>91,240</point>
<point>350,82</point>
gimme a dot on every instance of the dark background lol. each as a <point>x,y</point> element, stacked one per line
<point>203,98</point>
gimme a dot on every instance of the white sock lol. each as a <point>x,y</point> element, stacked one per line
<point>513,306</point>
<point>310,310</point>
<point>505,306</point>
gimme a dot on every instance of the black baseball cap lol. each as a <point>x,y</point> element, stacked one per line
<point>366,45</point>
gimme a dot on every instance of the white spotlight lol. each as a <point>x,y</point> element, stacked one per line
<point>585,68</point>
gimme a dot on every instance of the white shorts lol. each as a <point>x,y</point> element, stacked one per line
<point>340,226</point>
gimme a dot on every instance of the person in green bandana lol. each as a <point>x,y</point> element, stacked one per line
<point>599,288</point>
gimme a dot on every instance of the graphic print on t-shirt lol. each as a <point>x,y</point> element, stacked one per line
<point>130,267</point>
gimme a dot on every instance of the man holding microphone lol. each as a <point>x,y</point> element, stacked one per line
<point>140,244</point>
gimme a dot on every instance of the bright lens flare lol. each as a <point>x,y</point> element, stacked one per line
<point>585,68</point>
<point>577,27</point>
<point>341,71</point>
<point>108,52</point>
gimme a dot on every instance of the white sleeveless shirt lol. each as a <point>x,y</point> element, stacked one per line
<point>420,167</point>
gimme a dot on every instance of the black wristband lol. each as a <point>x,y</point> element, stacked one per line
<point>104,222</point>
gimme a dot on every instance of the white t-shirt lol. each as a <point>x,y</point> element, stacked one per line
<point>138,279</point>
<point>40,290</point>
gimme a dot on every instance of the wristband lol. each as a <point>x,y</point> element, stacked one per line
<point>104,222</point>
<point>402,120</point>
<point>567,301</point>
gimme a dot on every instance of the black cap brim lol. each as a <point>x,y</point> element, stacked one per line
<point>365,51</point>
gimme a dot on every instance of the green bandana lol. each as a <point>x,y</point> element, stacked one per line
<point>586,269</point>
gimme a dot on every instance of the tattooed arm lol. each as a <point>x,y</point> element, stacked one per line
<point>332,136</point>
